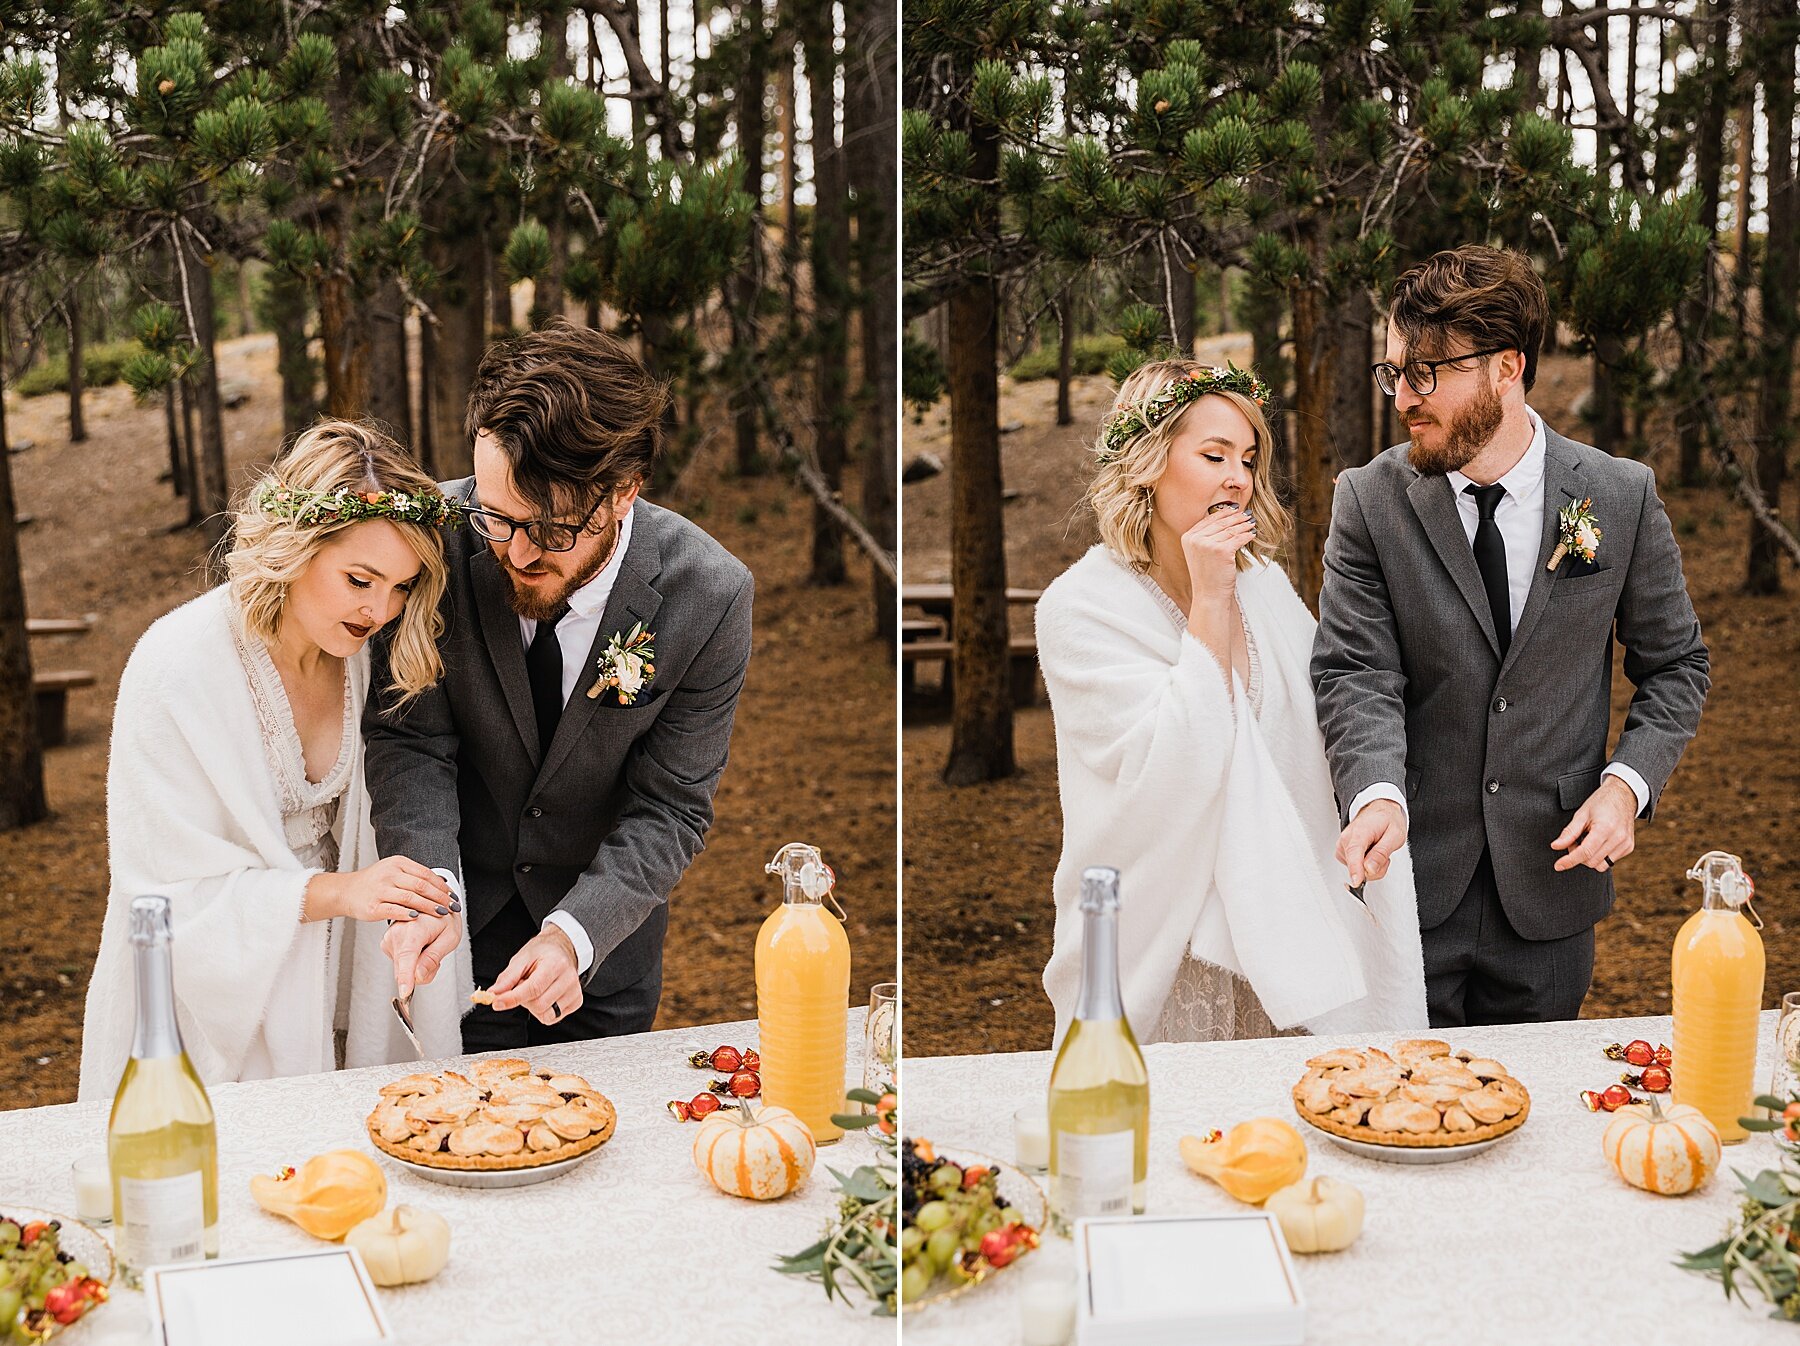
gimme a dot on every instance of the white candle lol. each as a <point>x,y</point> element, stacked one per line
<point>93,1188</point>
<point>1031,1138</point>
<point>1046,1311</point>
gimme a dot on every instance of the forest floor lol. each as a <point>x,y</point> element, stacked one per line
<point>978,861</point>
<point>101,542</point>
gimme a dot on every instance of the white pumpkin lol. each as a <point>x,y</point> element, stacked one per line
<point>1318,1215</point>
<point>402,1245</point>
<point>1668,1151</point>
<point>757,1153</point>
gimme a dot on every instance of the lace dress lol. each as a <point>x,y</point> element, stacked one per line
<point>309,815</point>
<point>1208,1003</point>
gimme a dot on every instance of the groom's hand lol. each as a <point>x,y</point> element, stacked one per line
<point>1606,827</point>
<point>543,977</point>
<point>1368,844</point>
<point>418,948</point>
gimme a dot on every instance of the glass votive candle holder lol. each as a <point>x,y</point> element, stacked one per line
<point>93,1188</point>
<point>1031,1138</point>
<point>1046,1290</point>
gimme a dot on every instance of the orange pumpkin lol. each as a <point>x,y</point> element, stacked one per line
<point>757,1153</point>
<point>1667,1152</point>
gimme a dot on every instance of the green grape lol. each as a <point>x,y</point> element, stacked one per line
<point>9,1234</point>
<point>914,1281</point>
<point>942,1246</point>
<point>932,1216</point>
<point>912,1240</point>
<point>77,1271</point>
<point>946,1178</point>
<point>986,1222</point>
<point>9,1309</point>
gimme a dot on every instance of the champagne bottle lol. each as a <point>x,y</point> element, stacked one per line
<point>1099,1089</point>
<point>161,1143</point>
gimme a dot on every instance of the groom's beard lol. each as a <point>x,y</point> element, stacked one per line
<point>539,604</point>
<point>1468,434</point>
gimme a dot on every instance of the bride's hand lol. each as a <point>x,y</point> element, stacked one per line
<point>394,889</point>
<point>1210,548</point>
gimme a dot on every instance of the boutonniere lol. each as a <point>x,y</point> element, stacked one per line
<point>627,665</point>
<point>1576,532</point>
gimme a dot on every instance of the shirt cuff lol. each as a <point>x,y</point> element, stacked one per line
<point>584,947</point>
<point>1379,790</point>
<point>456,888</point>
<point>1637,783</point>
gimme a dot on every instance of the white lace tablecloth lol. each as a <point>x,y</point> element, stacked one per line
<point>633,1246</point>
<point>1532,1243</point>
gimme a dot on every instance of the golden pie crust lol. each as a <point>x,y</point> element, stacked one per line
<point>497,1116</point>
<point>1422,1095</point>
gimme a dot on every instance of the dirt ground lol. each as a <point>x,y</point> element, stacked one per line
<point>101,543</point>
<point>978,861</point>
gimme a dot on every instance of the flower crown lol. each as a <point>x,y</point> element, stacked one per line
<point>1132,421</point>
<point>343,506</point>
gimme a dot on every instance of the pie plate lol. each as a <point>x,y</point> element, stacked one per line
<point>494,1178</point>
<point>1399,1154</point>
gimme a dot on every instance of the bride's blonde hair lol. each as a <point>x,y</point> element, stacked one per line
<point>270,552</point>
<point>1122,492</point>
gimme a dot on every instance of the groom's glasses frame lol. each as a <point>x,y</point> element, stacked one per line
<point>1421,375</point>
<point>546,534</point>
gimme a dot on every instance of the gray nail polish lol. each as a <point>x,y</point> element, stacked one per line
<point>443,911</point>
<point>455,906</point>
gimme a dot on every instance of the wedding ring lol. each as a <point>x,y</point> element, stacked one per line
<point>555,1010</point>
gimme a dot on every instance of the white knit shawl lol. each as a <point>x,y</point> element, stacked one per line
<point>1222,825</point>
<point>192,812</point>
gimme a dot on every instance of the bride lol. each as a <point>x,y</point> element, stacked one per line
<point>1188,749</point>
<point>235,784</point>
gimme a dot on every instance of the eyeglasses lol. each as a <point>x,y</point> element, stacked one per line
<point>1421,375</point>
<point>545,534</point>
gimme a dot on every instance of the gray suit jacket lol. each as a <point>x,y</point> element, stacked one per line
<point>1411,688</point>
<point>606,823</point>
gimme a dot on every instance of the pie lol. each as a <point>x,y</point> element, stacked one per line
<point>1423,1095</point>
<point>501,1114</point>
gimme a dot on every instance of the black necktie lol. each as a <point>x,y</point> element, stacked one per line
<point>544,667</point>
<point>1490,558</point>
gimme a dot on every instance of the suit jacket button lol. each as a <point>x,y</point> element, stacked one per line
<point>526,869</point>
<point>1500,704</point>
<point>1493,789</point>
<point>537,812</point>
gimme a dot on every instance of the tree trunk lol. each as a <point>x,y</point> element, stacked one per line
<point>457,346</point>
<point>1316,332</point>
<point>981,721</point>
<point>190,449</point>
<point>344,333</point>
<point>747,284</point>
<point>177,462</point>
<point>547,293</point>
<point>427,362</point>
<point>288,302</point>
<point>830,284</point>
<point>790,173</point>
<point>77,367</point>
<point>1065,354</point>
<point>1531,78</point>
<point>1352,422</point>
<point>210,495</point>
<point>869,117</point>
<point>1695,311</point>
<point>1609,408</point>
<point>390,390</point>
<point>1780,274</point>
<point>21,757</point>
<point>1179,282</point>
<point>246,309</point>
<point>1740,234</point>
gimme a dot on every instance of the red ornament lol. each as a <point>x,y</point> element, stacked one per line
<point>752,1061</point>
<point>1639,1053</point>
<point>742,1084</point>
<point>1664,1057</point>
<point>719,1058</point>
<point>678,1110</point>
<point>1655,1079</point>
<point>1614,1097</point>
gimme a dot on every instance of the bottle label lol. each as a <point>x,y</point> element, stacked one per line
<point>162,1220</point>
<point>1094,1174</point>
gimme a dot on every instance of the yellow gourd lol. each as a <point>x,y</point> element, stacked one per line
<point>761,1154</point>
<point>330,1195</point>
<point>1321,1215</point>
<point>402,1245</point>
<point>1668,1152</point>
<point>1252,1161</point>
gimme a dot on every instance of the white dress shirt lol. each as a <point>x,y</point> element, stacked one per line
<point>575,633</point>
<point>1520,518</point>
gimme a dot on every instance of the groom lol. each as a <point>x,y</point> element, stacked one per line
<point>1464,682</point>
<point>561,774</point>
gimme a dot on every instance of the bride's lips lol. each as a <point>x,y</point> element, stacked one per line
<point>360,632</point>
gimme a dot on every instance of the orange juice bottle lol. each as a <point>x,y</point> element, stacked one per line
<point>803,994</point>
<point>1718,973</point>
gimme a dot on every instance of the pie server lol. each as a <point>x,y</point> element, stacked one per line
<point>403,1012</point>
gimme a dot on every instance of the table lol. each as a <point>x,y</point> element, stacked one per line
<point>1535,1242</point>
<point>939,600</point>
<point>634,1246</point>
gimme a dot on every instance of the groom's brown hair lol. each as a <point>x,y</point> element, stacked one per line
<point>1491,297</point>
<point>574,410</point>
